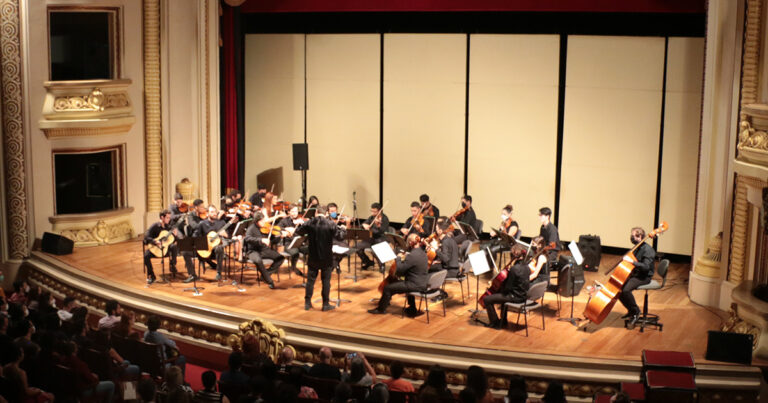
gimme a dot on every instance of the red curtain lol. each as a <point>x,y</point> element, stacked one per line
<point>230,100</point>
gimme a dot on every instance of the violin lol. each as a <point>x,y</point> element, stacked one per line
<point>203,215</point>
<point>532,264</point>
<point>601,304</point>
<point>183,207</point>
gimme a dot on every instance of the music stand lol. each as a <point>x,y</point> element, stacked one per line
<point>357,234</point>
<point>468,230</point>
<point>397,240</point>
<point>571,262</point>
<point>296,243</point>
<point>194,244</point>
<point>479,263</point>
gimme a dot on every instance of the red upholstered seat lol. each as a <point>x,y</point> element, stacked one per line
<point>668,359</point>
<point>669,380</point>
<point>635,390</point>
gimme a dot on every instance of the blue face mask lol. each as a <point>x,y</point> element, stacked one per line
<point>334,214</point>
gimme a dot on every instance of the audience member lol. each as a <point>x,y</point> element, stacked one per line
<point>125,327</point>
<point>286,360</point>
<point>379,394</point>
<point>20,290</point>
<point>477,383</point>
<point>342,393</point>
<point>554,393</point>
<point>295,377</point>
<point>17,378</point>
<point>169,349</point>
<point>87,382</point>
<point>360,371</point>
<point>173,386</point>
<point>146,390</point>
<point>324,369</point>
<point>517,392</point>
<point>209,394</point>
<point>467,396</point>
<point>234,375</point>
<point>114,311</point>
<point>436,380</point>
<point>395,383</point>
<point>65,313</point>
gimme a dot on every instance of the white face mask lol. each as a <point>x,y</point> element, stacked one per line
<point>504,217</point>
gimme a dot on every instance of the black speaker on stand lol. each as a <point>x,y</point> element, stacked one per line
<point>301,163</point>
<point>591,250</point>
<point>57,244</point>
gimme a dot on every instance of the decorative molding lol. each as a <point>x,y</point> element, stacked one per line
<point>735,324</point>
<point>750,66</point>
<point>738,232</point>
<point>94,229</point>
<point>13,129</point>
<point>259,336</point>
<point>206,64</point>
<point>86,108</point>
<point>152,110</point>
<point>709,264</point>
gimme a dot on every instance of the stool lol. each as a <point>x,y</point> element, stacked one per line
<point>649,319</point>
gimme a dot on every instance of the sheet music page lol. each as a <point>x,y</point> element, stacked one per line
<point>339,250</point>
<point>383,252</point>
<point>479,263</point>
<point>576,252</point>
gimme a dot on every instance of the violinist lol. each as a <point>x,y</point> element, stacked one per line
<point>151,236</point>
<point>430,209</point>
<point>641,275</point>
<point>175,209</point>
<point>257,199</point>
<point>288,226</point>
<point>214,223</point>
<point>539,269</point>
<point>257,249</point>
<point>514,289</point>
<point>320,232</point>
<point>468,217</point>
<point>417,223</point>
<point>377,223</point>
<point>335,215</point>
<point>508,226</point>
<point>412,266</point>
<point>313,204</point>
<point>447,252</point>
<point>550,234</point>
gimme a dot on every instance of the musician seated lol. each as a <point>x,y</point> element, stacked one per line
<point>416,223</point>
<point>212,227</point>
<point>467,217</point>
<point>152,236</point>
<point>430,209</point>
<point>513,289</point>
<point>188,227</point>
<point>175,209</point>
<point>549,231</point>
<point>447,253</point>
<point>538,264</point>
<point>377,223</point>
<point>412,266</point>
<point>257,199</point>
<point>640,275</point>
<point>288,226</point>
<point>257,248</point>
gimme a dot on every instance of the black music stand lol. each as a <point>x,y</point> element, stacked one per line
<point>296,243</point>
<point>193,244</point>
<point>504,239</point>
<point>239,230</point>
<point>357,234</point>
<point>469,231</point>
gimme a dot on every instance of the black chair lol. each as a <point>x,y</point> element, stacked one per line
<point>64,385</point>
<point>650,319</point>
<point>325,388</point>
<point>434,287</point>
<point>536,292</point>
<point>147,356</point>
<point>233,391</point>
<point>98,362</point>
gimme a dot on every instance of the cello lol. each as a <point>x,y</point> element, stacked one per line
<point>601,304</point>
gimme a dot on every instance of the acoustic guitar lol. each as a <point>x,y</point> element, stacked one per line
<point>165,238</point>
<point>214,240</point>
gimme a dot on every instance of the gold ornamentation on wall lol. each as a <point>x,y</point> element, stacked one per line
<point>708,265</point>
<point>153,144</point>
<point>258,336</point>
<point>750,69</point>
<point>101,234</point>
<point>95,101</point>
<point>13,129</point>
<point>736,324</point>
<point>739,232</point>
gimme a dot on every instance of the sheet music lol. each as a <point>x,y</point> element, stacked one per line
<point>479,263</point>
<point>294,241</point>
<point>576,252</point>
<point>339,250</point>
<point>384,252</point>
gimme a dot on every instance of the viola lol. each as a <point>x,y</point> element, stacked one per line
<point>601,304</point>
<point>431,252</point>
<point>183,207</point>
<point>459,212</point>
<point>203,215</point>
<point>535,258</point>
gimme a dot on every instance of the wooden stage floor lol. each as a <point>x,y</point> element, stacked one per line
<point>685,323</point>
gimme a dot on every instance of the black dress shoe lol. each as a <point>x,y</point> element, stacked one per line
<point>411,312</point>
<point>627,316</point>
<point>493,325</point>
<point>329,307</point>
<point>271,286</point>
<point>366,265</point>
<point>375,311</point>
<point>307,306</point>
<point>298,272</point>
<point>632,321</point>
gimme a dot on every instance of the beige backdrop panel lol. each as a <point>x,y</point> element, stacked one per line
<point>424,101</point>
<point>513,126</point>
<point>343,73</point>
<point>611,136</point>
<point>274,108</point>
<point>685,67</point>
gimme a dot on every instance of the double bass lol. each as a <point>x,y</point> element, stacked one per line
<point>601,304</point>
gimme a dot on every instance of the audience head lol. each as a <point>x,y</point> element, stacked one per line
<point>477,380</point>
<point>436,378</point>
<point>79,314</point>
<point>153,323</point>
<point>174,376</point>
<point>235,361</point>
<point>554,393</point>
<point>467,396</point>
<point>295,376</point>
<point>68,304</point>
<point>396,369</point>
<point>12,354</point>
<point>325,355</point>
<point>112,308</point>
<point>379,394</point>
<point>146,390</point>
<point>209,380</point>
<point>356,369</point>
<point>342,393</point>
<point>69,348</point>
<point>517,388</point>
<point>286,356</point>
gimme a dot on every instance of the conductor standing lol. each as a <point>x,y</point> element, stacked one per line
<point>320,233</point>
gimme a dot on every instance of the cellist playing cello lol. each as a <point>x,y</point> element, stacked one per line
<point>514,289</point>
<point>641,275</point>
<point>412,266</point>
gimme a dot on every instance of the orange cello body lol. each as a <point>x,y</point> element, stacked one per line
<point>391,277</point>
<point>496,284</point>
<point>602,303</point>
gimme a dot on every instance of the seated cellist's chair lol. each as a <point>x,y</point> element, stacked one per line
<point>650,319</point>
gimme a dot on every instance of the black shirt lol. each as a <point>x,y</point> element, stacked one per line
<point>516,285</point>
<point>256,200</point>
<point>252,239</point>
<point>320,232</point>
<point>448,253</point>
<point>468,217</point>
<point>435,210</point>
<point>325,371</point>
<point>154,231</point>
<point>644,265</point>
<point>426,229</point>
<point>379,231</point>
<point>506,227</point>
<point>414,268</point>
<point>549,232</point>
<point>207,226</point>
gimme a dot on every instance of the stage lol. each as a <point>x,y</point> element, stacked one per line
<point>587,355</point>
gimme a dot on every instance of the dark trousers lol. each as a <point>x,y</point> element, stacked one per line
<point>257,258</point>
<point>362,245</point>
<point>625,296</point>
<point>188,262</point>
<point>399,287</point>
<point>218,254</point>
<point>499,299</point>
<point>452,271</point>
<point>148,256</point>
<point>309,289</point>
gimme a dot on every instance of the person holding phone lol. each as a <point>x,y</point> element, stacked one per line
<point>358,371</point>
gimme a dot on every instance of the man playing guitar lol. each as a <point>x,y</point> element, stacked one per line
<point>152,236</point>
<point>212,227</point>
